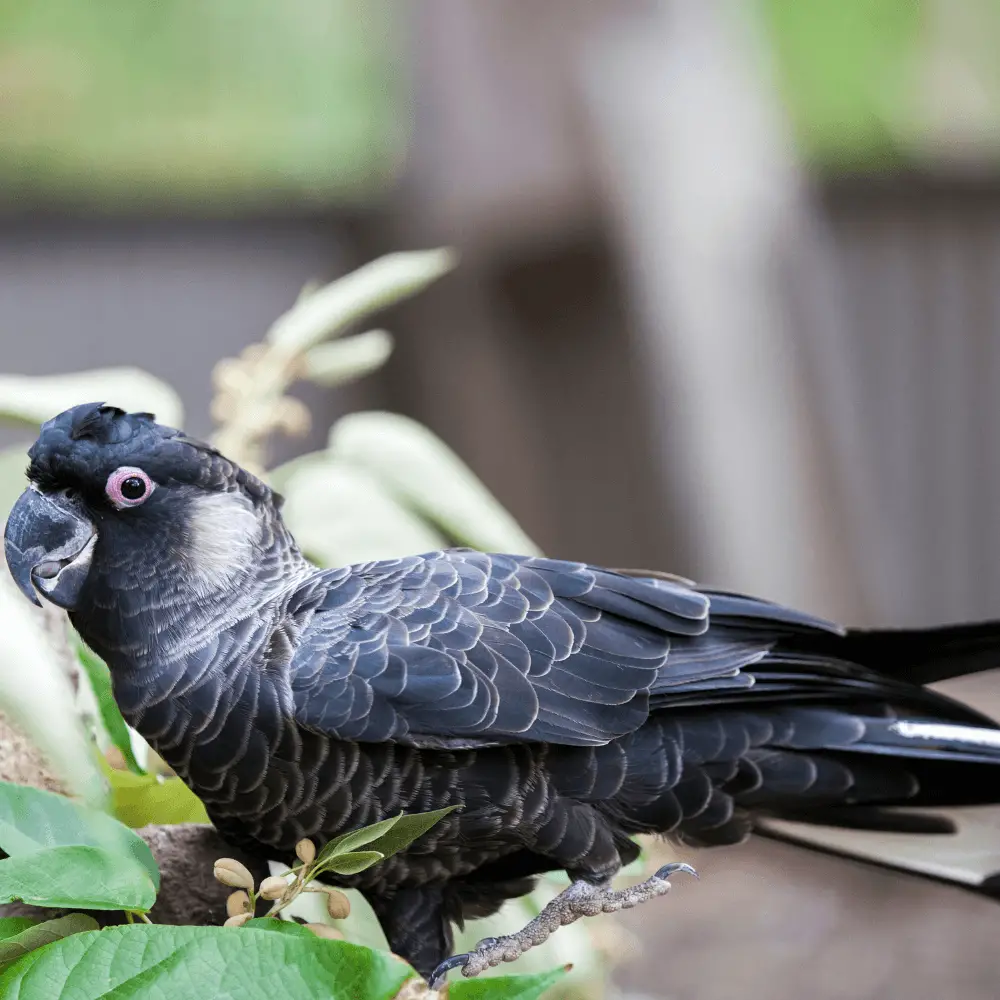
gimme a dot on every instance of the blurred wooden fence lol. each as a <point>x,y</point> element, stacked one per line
<point>837,451</point>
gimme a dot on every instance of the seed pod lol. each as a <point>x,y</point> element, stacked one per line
<point>273,887</point>
<point>239,920</point>
<point>305,851</point>
<point>337,905</point>
<point>230,872</point>
<point>237,903</point>
<point>322,931</point>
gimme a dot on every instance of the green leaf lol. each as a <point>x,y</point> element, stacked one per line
<point>342,515</point>
<point>31,400</point>
<point>279,476</point>
<point>505,987</point>
<point>356,838</point>
<point>15,946</point>
<point>45,709</point>
<point>32,820</point>
<point>425,475</point>
<point>279,925</point>
<point>388,836</point>
<point>80,877</point>
<point>100,682</point>
<point>140,800</point>
<point>328,311</point>
<point>361,927</point>
<point>407,829</point>
<point>351,864</point>
<point>12,926</point>
<point>343,361</point>
<point>166,963</point>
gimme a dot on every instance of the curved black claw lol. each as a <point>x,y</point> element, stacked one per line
<point>440,974</point>
<point>667,870</point>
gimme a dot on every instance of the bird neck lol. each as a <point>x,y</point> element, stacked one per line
<point>233,684</point>
<point>172,636</point>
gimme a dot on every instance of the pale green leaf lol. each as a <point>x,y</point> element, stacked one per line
<point>15,946</point>
<point>406,830</point>
<point>311,287</point>
<point>111,717</point>
<point>342,515</point>
<point>341,361</point>
<point>423,473</point>
<point>44,710</point>
<point>361,927</point>
<point>351,864</point>
<point>32,820</point>
<point>357,838</point>
<point>86,878</point>
<point>139,800</point>
<point>10,927</point>
<point>281,475</point>
<point>155,962</point>
<point>33,399</point>
<point>389,836</point>
<point>505,987</point>
<point>328,311</point>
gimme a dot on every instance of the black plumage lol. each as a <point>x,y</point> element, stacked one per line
<point>565,708</point>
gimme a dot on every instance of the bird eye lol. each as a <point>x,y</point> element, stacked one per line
<point>128,487</point>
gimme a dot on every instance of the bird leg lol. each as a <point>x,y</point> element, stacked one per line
<point>581,899</point>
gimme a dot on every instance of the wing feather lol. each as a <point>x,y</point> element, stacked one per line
<point>493,648</point>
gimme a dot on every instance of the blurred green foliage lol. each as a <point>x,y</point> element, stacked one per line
<point>845,69</point>
<point>888,84</point>
<point>180,101</point>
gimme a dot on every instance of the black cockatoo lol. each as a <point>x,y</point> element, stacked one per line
<point>565,708</point>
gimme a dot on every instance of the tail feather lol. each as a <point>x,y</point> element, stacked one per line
<point>950,748</point>
<point>924,656</point>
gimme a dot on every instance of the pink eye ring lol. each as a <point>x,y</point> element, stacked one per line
<point>128,487</point>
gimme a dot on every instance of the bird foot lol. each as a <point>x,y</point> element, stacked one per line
<point>581,899</point>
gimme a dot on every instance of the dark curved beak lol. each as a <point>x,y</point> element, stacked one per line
<point>49,544</point>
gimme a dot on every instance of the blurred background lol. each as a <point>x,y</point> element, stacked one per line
<point>727,305</point>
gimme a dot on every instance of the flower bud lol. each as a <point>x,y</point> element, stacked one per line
<point>230,872</point>
<point>239,920</point>
<point>254,353</point>
<point>237,903</point>
<point>292,416</point>
<point>273,887</point>
<point>305,851</point>
<point>322,931</point>
<point>337,905</point>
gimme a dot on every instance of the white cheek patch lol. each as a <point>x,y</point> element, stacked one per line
<point>224,534</point>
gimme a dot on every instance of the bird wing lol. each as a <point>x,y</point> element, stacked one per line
<point>463,649</point>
